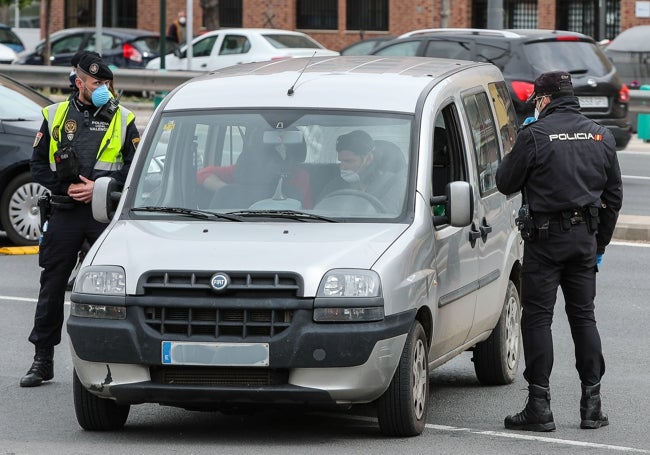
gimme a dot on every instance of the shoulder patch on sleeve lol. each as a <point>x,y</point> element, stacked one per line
<point>135,142</point>
<point>37,139</point>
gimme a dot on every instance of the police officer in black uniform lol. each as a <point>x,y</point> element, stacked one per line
<point>81,139</point>
<point>567,169</point>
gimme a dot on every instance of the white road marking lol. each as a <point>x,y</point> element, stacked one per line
<point>636,177</point>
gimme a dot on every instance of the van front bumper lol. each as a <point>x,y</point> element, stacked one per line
<point>309,363</point>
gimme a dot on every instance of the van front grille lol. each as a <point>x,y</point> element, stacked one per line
<point>218,322</point>
<point>215,376</point>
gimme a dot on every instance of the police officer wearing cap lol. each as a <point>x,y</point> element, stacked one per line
<point>81,139</point>
<point>566,167</point>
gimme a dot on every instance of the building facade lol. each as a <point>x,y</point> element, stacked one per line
<point>337,23</point>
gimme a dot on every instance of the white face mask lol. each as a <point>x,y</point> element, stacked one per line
<point>536,114</point>
<point>350,176</point>
<point>182,20</point>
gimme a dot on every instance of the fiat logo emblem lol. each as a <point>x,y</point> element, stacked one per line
<point>219,282</point>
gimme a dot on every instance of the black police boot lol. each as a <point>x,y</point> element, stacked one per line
<point>590,414</point>
<point>537,415</point>
<point>42,368</point>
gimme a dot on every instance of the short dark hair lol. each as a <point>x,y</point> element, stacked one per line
<point>358,142</point>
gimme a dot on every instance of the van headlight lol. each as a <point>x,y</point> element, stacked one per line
<point>349,295</point>
<point>101,280</point>
<point>86,310</point>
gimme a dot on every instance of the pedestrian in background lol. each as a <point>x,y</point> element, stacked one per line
<point>176,30</point>
<point>81,139</point>
<point>567,169</point>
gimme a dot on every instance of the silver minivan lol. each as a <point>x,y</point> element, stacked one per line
<point>242,268</point>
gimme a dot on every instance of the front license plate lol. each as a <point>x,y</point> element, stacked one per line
<point>592,101</point>
<point>215,354</point>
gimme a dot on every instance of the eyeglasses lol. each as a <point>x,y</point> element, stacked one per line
<point>537,98</point>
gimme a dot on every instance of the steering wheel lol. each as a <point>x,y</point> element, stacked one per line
<point>376,203</point>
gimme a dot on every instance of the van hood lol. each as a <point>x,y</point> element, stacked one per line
<point>309,249</point>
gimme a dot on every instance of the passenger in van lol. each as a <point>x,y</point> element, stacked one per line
<point>360,169</point>
<point>255,176</point>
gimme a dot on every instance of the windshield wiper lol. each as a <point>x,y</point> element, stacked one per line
<point>201,214</point>
<point>286,214</point>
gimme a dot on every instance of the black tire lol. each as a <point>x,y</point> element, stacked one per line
<point>19,213</point>
<point>496,359</point>
<point>402,409</point>
<point>94,413</point>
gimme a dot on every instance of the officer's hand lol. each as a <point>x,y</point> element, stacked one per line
<point>82,192</point>
<point>529,120</point>
<point>599,260</point>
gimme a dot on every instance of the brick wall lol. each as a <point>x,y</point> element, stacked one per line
<point>405,15</point>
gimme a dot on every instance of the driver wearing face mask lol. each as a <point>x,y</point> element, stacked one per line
<point>360,169</point>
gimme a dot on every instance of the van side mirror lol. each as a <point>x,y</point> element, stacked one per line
<point>106,196</point>
<point>458,205</point>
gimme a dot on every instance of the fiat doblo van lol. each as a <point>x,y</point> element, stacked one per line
<point>315,232</point>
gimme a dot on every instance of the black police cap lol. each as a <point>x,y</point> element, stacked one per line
<point>76,57</point>
<point>554,84</point>
<point>95,67</point>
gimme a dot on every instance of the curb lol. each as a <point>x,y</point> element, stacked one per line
<point>14,250</point>
<point>633,228</point>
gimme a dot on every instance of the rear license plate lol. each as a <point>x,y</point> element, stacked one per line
<point>592,101</point>
<point>215,354</point>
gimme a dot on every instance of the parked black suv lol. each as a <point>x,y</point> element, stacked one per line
<point>522,55</point>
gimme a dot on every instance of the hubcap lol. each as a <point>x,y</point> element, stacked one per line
<point>24,213</point>
<point>512,332</point>
<point>419,379</point>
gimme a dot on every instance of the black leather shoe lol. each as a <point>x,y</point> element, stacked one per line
<point>42,368</point>
<point>591,415</point>
<point>537,415</point>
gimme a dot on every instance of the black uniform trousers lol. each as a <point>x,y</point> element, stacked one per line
<point>566,259</point>
<point>67,229</point>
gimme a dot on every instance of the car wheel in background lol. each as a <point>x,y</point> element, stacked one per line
<point>19,212</point>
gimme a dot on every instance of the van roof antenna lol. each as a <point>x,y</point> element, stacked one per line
<point>291,90</point>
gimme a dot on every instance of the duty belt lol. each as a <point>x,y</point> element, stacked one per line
<point>62,202</point>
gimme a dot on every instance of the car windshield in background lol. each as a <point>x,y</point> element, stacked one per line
<point>575,57</point>
<point>290,41</point>
<point>273,161</point>
<point>14,105</point>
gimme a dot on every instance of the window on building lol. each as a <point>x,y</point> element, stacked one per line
<point>116,13</point>
<point>230,13</point>
<point>317,14</point>
<point>367,15</point>
<point>517,13</point>
<point>584,16</point>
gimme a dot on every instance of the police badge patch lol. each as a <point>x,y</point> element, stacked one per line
<point>37,139</point>
<point>70,127</point>
<point>93,68</point>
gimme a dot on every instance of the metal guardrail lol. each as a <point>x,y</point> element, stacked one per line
<point>164,81</point>
<point>135,80</point>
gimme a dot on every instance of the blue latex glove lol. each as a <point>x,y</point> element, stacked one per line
<point>599,260</point>
<point>529,120</point>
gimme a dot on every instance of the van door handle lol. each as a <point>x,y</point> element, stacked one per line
<point>485,230</point>
<point>474,234</point>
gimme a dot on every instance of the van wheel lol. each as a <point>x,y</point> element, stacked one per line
<point>19,213</point>
<point>402,409</point>
<point>94,413</point>
<point>496,359</point>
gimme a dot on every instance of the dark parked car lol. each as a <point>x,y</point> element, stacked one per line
<point>121,47</point>
<point>366,46</point>
<point>522,55</point>
<point>20,120</point>
<point>10,39</point>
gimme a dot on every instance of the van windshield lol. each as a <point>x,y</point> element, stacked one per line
<point>265,164</point>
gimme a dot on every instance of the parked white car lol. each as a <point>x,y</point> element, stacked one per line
<point>7,54</point>
<point>227,47</point>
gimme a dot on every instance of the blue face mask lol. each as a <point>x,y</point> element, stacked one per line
<point>101,95</point>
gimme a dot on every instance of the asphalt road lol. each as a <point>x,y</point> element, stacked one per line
<point>464,417</point>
